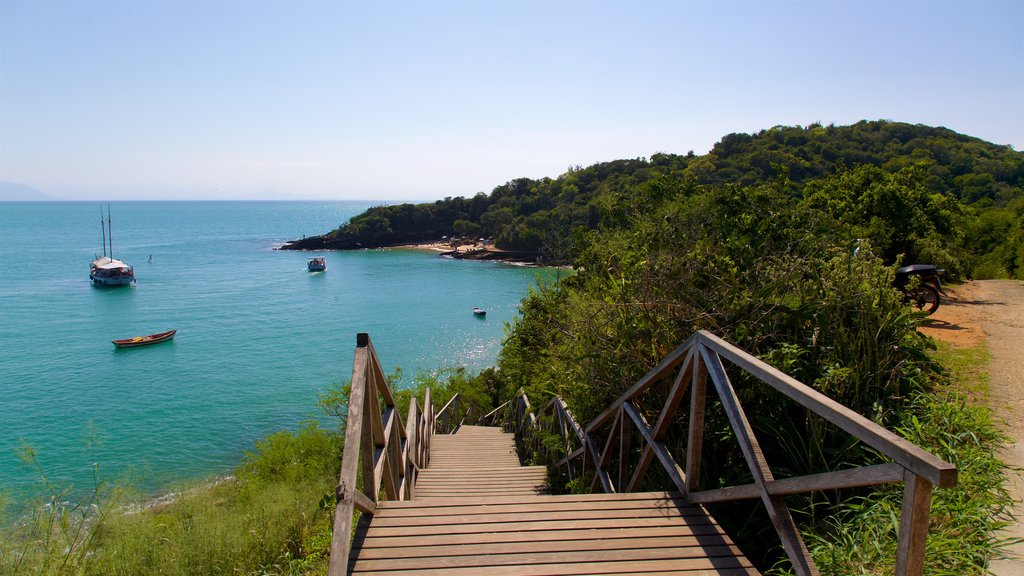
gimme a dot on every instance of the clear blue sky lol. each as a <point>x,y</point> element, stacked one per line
<point>421,100</point>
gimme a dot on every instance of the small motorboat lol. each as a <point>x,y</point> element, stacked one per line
<point>317,264</point>
<point>144,340</point>
<point>479,311</point>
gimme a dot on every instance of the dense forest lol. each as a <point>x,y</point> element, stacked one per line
<point>914,192</point>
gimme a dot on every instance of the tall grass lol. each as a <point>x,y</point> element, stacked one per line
<point>861,537</point>
<point>272,517</point>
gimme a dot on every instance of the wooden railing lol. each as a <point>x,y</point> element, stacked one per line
<point>619,468</point>
<point>454,414</point>
<point>380,453</point>
<point>382,458</point>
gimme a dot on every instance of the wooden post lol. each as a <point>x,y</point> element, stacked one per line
<point>695,438</point>
<point>428,429</point>
<point>341,543</point>
<point>917,502</point>
<point>625,435</point>
<point>778,512</point>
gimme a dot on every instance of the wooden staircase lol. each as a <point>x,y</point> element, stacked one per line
<point>436,502</point>
<point>477,511</point>
<point>477,461</point>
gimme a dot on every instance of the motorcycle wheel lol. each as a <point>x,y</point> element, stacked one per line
<point>924,297</point>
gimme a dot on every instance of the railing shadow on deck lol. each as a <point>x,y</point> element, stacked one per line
<point>382,457</point>
<point>616,467</point>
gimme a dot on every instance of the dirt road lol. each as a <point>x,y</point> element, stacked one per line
<point>993,311</point>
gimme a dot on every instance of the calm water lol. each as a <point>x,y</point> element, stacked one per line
<point>258,336</point>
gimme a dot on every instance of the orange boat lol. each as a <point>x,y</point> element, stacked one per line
<point>144,340</point>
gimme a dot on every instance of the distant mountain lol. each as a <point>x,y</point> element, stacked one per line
<point>15,192</point>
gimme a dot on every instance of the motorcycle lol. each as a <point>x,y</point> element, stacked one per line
<point>926,294</point>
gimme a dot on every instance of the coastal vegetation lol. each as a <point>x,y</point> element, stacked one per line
<point>781,242</point>
<point>928,193</point>
<point>272,516</point>
<point>799,274</point>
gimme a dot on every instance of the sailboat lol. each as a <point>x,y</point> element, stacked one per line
<point>107,271</point>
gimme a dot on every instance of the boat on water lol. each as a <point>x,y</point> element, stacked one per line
<point>479,311</point>
<point>107,270</point>
<point>144,340</point>
<point>317,264</point>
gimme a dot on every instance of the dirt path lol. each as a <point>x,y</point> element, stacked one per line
<point>993,311</point>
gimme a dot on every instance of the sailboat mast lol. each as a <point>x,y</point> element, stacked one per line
<point>103,231</point>
<point>110,233</point>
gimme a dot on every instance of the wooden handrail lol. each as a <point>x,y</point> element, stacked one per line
<point>695,364</point>
<point>379,451</point>
<point>449,418</point>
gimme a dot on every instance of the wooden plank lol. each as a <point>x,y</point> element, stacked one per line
<point>778,512</point>
<point>695,434</point>
<point>917,501</point>
<point>465,490</point>
<point>363,503</point>
<point>469,492</point>
<point>444,412</point>
<point>852,478</point>
<point>606,452</point>
<point>394,448</point>
<point>668,412</point>
<point>410,452</point>
<point>625,437</point>
<point>492,483</point>
<point>482,473</point>
<point>379,379</point>
<point>726,566</point>
<point>525,526</point>
<point>531,546</point>
<point>485,509</point>
<point>371,416</point>
<point>705,531</point>
<point>385,521</point>
<point>489,415</point>
<point>911,456</point>
<point>488,561</point>
<point>347,481</point>
<point>646,458</point>
<point>664,367</point>
<point>630,496</point>
<point>662,453</point>
<point>383,465</point>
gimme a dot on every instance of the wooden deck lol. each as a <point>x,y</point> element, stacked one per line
<point>477,511</point>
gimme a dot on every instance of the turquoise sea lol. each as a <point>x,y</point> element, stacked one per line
<point>258,336</point>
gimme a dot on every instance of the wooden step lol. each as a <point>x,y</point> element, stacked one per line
<point>552,534</point>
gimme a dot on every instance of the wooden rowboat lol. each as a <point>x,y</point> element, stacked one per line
<point>144,340</point>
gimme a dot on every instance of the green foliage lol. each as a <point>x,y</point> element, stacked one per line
<point>777,275</point>
<point>860,538</point>
<point>473,390</point>
<point>273,517</point>
<point>894,211</point>
<point>918,193</point>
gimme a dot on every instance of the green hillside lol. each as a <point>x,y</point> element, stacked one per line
<point>926,194</point>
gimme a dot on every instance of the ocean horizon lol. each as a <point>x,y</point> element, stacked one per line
<point>259,337</point>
